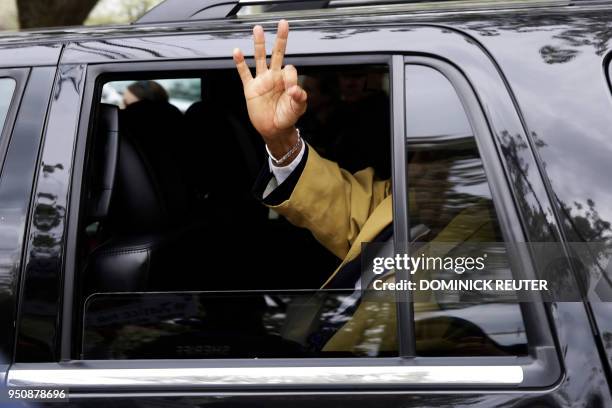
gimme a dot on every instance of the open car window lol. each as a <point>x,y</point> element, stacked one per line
<point>179,260</point>
<point>176,251</point>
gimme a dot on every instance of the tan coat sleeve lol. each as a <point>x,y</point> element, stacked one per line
<point>333,203</point>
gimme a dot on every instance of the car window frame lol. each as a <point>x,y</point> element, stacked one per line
<point>544,365</point>
<point>97,75</point>
<point>485,368</point>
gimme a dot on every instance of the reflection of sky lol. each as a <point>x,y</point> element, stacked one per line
<point>433,108</point>
<point>573,121</point>
<point>432,105</point>
<point>7,86</point>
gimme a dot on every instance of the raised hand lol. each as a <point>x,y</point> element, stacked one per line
<point>274,99</point>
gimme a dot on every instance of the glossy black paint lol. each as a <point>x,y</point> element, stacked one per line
<point>16,185</point>
<point>565,99</point>
<point>447,44</point>
<point>21,55</point>
<point>540,78</point>
<point>37,337</point>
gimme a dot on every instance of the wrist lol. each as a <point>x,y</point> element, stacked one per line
<point>285,149</point>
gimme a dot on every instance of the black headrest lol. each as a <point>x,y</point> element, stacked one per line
<point>104,160</point>
<point>137,204</point>
<point>149,194</point>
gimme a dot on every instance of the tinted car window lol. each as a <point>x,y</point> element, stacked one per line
<point>273,324</point>
<point>433,107</point>
<point>451,202</point>
<point>7,87</point>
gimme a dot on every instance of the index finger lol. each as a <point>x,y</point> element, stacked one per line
<point>278,53</point>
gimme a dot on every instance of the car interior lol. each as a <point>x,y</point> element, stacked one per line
<point>168,207</point>
<point>168,186</point>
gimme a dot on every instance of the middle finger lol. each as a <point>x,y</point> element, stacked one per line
<point>259,40</point>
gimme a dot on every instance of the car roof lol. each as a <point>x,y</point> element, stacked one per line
<point>388,12</point>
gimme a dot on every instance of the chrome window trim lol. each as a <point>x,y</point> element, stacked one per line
<point>74,377</point>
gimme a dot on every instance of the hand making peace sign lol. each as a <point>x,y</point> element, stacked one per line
<point>274,99</point>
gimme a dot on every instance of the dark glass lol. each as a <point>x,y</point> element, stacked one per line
<point>449,197</point>
<point>275,324</point>
<point>347,120</point>
<point>7,87</point>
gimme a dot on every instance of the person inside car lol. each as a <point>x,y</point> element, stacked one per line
<point>144,91</point>
<point>341,209</point>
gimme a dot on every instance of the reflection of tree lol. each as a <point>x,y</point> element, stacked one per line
<point>573,32</point>
<point>514,149</point>
<point>42,287</point>
<point>340,33</point>
<point>583,220</point>
<point>588,226</point>
<point>556,55</point>
<point>580,223</point>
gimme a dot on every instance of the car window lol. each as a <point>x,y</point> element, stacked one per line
<point>258,324</point>
<point>178,259</point>
<point>7,87</point>
<point>452,206</point>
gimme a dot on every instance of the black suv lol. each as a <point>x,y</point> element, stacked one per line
<point>138,268</point>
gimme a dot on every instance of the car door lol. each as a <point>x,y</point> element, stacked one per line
<point>528,369</point>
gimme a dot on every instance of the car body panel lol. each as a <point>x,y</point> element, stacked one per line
<point>41,293</point>
<point>569,125</point>
<point>513,89</point>
<point>16,186</point>
<point>34,55</point>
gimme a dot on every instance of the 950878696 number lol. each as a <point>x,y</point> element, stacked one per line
<point>36,394</point>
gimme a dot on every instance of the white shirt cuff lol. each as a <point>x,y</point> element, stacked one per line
<point>281,173</point>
